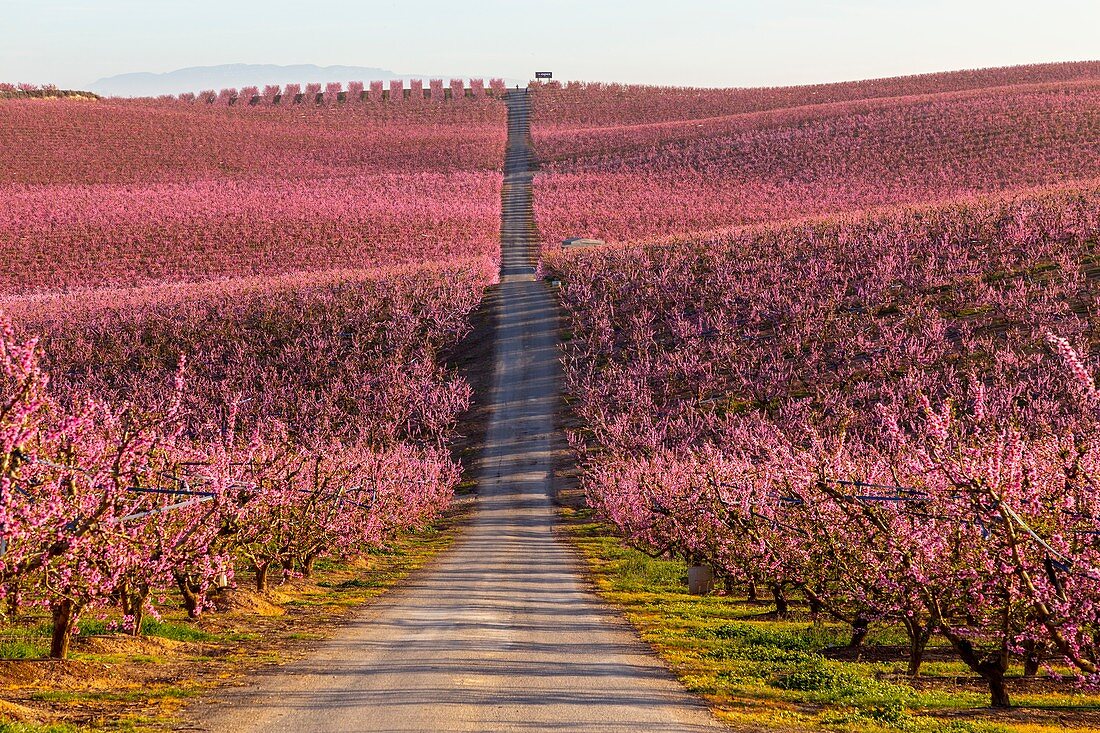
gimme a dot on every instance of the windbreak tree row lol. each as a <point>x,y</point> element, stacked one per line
<point>354,92</point>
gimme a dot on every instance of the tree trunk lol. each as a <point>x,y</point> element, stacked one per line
<point>133,605</point>
<point>64,616</point>
<point>288,570</point>
<point>307,566</point>
<point>992,669</point>
<point>860,627</point>
<point>998,691</point>
<point>1032,658</point>
<point>191,597</point>
<point>815,608</point>
<point>782,609</point>
<point>261,577</point>
<point>138,616</point>
<point>13,602</point>
<point>919,634</point>
<point>752,590</point>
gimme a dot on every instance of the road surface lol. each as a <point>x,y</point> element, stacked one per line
<point>501,634</point>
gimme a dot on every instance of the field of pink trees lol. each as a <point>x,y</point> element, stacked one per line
<point>223,338</point>
<point>579,105</point>
<point>845,350</point>
<point>134,140</point>
<point>186,432</point>
<point>69,236</point>
<point>631,180</point>
<point>894,414</point>
<point>125,192</point>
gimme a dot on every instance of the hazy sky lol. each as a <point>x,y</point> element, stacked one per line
<point>690,42</point>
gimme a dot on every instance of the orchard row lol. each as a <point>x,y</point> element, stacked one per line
<point>173,439</point>
<point>893,414</point>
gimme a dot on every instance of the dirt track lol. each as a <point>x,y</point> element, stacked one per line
<point>501,634</point>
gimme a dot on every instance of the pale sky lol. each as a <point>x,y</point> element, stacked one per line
<point>686,42</point>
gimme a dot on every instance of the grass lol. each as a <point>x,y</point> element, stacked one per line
<point>31,642</point>
<point>35,728</point>
<point>757,671</point>
<point>23,646</point>
<point>175,631</point>
<point>138,695</point>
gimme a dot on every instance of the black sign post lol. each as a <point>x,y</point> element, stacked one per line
<point>544,75</point>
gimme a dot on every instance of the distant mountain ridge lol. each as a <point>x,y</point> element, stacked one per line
<point>197,78</point>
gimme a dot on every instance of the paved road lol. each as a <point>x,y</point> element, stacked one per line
<point>500,635</point>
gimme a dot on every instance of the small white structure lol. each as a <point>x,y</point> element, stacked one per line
<point>580,243</point>
<point>700,580</point>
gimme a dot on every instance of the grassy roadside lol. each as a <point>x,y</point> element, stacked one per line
<point>114,682</point>
<point>757,671</point>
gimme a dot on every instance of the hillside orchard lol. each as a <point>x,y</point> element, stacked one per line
<point>841,345</point>
<point>739,159</point>
<point>223,336</point>
<point>890,412</point>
